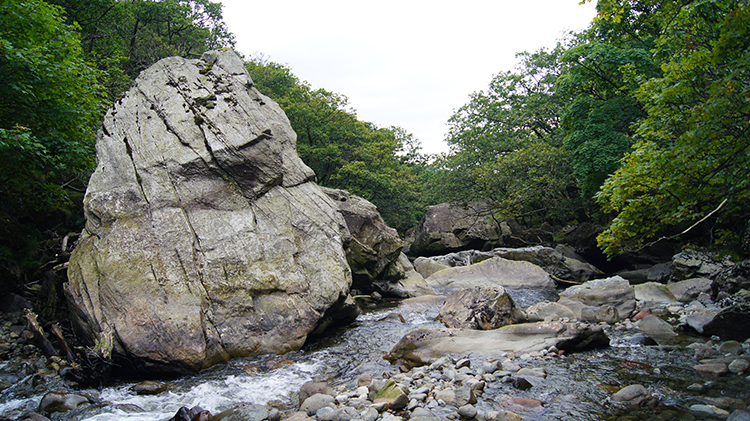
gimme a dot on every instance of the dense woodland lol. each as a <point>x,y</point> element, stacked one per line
<point>640,124</point>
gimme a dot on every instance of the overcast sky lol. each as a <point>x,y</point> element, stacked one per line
<point>407,63</point>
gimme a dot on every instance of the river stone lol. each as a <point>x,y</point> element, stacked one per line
<point>311,388</point>
<point>731,321</point>
<point>712,369</point>
<point>655,325</point>
<point>739,415</point>
<point>312,404</point>
<point>689,289</point>
<point>494,272</point>
<point>615,291</point>
<point>393,395</point>
<point>708,411</point>
<point>738,365</point>
<point>651,294</point>
<point>206,237</point>
<point>427,267</point>
<point>425,345</point>
<point>412,283</point>
<point>451,227</point>
<point>602,314</point>
<point>243,412</point>
<point>548,311</point>
<point>634,396</point>
<point>482,307</point>
<point>60,402</point>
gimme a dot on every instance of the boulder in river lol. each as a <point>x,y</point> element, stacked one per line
<point>424,345</point>
<point>615,292</point>
<point>495,272</point>
<point>374,248</point>
<point>206,237</point>
<point>482,307</point>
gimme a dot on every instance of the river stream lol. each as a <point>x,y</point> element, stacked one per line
<point>576,386</point>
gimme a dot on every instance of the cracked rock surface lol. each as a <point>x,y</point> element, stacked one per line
<point>206,237</point>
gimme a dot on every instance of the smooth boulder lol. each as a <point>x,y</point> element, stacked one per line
<point>424,345</point>
<point>449,227</point>
<point>206,237</point>
<point>614,292</point>
<point>494,272</point>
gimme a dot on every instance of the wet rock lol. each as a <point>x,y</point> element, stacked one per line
<point>298,416</point>
<point>495,272</point>
<point>731,280</point>
<point>312,404</point>
<point>655,325</point>
<point>521,383</point>
<point>652,293</point>
<point>526,405</point>
<point>731,347</point>
<point>427,267</point>
<point>601,314</point>
<point>738,366</point>
<point>739,415</point>
<point>60,402</point>
<point>244,412</point>
<point>33,416</point>
<point>482,307</point>
<point>311,388</point>
<point>699,320</point>
<point>424,345</point>
<point>634,396</point>
<point>708,411</point>
<point>392,395</point>
<point>614,291</point>
<point>413,283</point>
<point>549,311</point>
<point>150,388</point>
<point>712,369</point>
<point>689,289</point>
<point>731,321</point>
<point>468,412</point>
<point>697,264</point>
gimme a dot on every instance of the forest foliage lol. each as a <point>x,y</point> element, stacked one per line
<point>639,123</point>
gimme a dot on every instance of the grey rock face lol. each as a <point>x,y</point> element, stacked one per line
<point>451,227</point>
<point>374,249</point>
<point>205,236</point>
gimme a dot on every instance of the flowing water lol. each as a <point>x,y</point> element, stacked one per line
<point>576,387</point>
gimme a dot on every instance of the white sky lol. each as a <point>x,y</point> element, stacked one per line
<point>407,63</point>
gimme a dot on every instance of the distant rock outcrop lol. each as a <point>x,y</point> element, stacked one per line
<point>206,237</point>
<point>446,228</point>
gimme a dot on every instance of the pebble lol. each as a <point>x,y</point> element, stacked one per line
<point>738,365</point>
<point>708,411</point>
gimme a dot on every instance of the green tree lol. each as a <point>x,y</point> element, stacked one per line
<point>690,167</point>
<point>50,103</point>
<point>125,37</point>
<point>506,145</point>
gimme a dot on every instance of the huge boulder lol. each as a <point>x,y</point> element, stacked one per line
<point>495,271</point>
<point>374,248</point>
<point>447,227</point>
<point>692,263</point>
<point>731,280</point>
<point>206,237</point>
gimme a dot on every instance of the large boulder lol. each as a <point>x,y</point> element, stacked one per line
<point>731,322</point>
<point>495,271</point>
<point>423,345</point>
<point>731,280</point>
<point>561,267</point>
<point>614,292</point>
<point>374,248</point>
<point>446,228</point>
<point>692,263</point>
<point>206,237</point>
<point>482,307</point>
